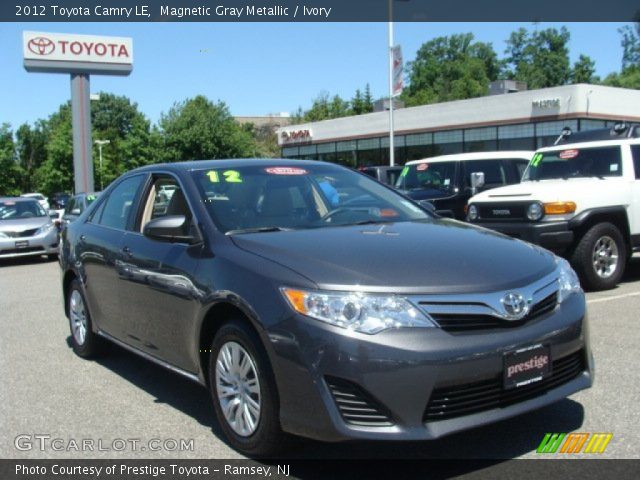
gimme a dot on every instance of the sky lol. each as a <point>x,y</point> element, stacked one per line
<point>255,68</point>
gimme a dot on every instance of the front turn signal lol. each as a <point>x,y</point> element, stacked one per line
<point>559,208</point>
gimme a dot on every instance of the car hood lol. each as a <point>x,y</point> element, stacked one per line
<point>433,256</point>
<point>550,190</point>
<point>21,224</point>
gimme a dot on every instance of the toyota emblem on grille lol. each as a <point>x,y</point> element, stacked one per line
<point>41,46</point>
<point>515,306</point>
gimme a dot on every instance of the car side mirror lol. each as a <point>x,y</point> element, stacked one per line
<point>53,214</point>
<point>477,181</point>
<point>428,206</point>
<point>171,229</point>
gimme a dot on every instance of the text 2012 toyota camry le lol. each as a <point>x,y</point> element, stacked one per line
<point>313,300</point>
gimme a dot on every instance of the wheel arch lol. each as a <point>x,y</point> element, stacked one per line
<point>616,215</point>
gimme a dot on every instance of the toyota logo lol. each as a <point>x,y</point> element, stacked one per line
<point>41,46</point>
<point>515,306</point>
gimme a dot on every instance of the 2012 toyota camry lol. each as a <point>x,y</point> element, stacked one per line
<point>313,300</point>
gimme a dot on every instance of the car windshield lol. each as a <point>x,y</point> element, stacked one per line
<point>11,210</point>
<point>439,175</point>
<point>270,198</point>
<point>597,162</point>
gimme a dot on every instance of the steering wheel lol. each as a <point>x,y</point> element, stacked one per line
<point>333,212</point>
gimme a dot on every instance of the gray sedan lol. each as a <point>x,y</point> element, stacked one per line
<point>26,229</point>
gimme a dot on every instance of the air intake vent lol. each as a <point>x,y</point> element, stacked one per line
<point>356,406</point>
<point>460,400</point>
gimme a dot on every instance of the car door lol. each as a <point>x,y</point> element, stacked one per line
<point>99,250</point>
<point>635,217</point>
<point>157,279</point>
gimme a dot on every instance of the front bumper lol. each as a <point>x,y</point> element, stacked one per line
<point>554,236</point>
<point>44,244</point>
<point>401,372</point>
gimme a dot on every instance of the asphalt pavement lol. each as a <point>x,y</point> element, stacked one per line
<point>55,405</point>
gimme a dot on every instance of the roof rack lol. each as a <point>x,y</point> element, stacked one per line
<point>619,131</point>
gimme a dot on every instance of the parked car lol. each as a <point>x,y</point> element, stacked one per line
<point>446,181</point>
<point>42,200</point>
<point>59,200</point>
<point>579,198</point>
<point>76,205</point>
<point>371,319</point>
<point>385,174</point>
<point>26,229</point>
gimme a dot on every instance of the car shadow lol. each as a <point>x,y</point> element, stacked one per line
<point>503,440</point>
<point>30,260</point>
<point>632,272</point>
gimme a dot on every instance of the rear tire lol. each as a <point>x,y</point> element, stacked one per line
<point>242,385</point>
<point>600,257</point>
<point>84,341</point>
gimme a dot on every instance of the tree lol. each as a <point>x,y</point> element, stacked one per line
<point>630,46</point>
<point>451,68</point>
<point>10,172</point>
<point>628,78</point>
<point>540,58</point>
<point>200,129</point>
<point>584,70</point>
<point>31,151</point>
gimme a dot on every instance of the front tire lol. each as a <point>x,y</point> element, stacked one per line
<point>84,341</point>
<point>600,257</point>
<point>243,391</point>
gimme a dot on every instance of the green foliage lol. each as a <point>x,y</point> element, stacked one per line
<point>584,70</point>
<point>31,150</point>
<point>628,78</point>
<point>540,58</point>
<point>200,129</point>
<point>630,46</point>
<point>450,68</point>
<point>10,172</point>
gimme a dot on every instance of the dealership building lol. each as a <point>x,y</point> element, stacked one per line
<point>521,120</point>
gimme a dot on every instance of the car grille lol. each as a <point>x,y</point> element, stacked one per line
<point>502,211</point>
<point>21,250</point>
<point>356,406</point>
<point>460,400</point>
<point>22,234</point>
<point>453,322</point>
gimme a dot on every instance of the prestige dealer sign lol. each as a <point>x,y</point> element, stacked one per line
<point>62,52</point>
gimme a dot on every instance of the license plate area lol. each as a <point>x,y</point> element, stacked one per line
<point>526,366</point>
<point>22,244</point>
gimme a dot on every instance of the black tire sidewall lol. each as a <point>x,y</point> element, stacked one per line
<point>266,439</point>
<point>583,262</point>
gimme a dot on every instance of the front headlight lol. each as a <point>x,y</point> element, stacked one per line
<point>534,212</point>
<point>46,228</point>
<point>472,213</point>
<point>567,279</point>
<point>357,311</point>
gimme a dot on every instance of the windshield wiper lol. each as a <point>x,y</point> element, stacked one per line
<point>370,222</point>
<point>258,230</point>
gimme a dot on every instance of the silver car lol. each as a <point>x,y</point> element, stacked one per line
<point>26,229</point>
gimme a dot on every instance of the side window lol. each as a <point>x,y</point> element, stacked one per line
<point>521,166</point>
<point>635,152</point>
<point>165,198</point>
<point>70,205</point>
<point>494,173</point>
<point>117,207</point>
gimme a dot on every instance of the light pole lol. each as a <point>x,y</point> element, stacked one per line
<point>100,143</point>
<point>391,145</point>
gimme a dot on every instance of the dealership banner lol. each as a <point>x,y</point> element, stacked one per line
<point>398,84</point>
<point>316,11</point>
<point>280,469</point>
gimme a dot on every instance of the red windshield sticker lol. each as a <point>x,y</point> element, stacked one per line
<point>286,171</point>
<point>422,167</point>
<point>568,154</point>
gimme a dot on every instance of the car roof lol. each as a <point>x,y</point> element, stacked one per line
<point>32,195</point>
<point>18,199</point>
<point>472,156</point>
<point>592,144</point>
<point>231,163</point>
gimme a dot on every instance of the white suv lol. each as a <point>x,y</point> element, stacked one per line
<point>579,198</point>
